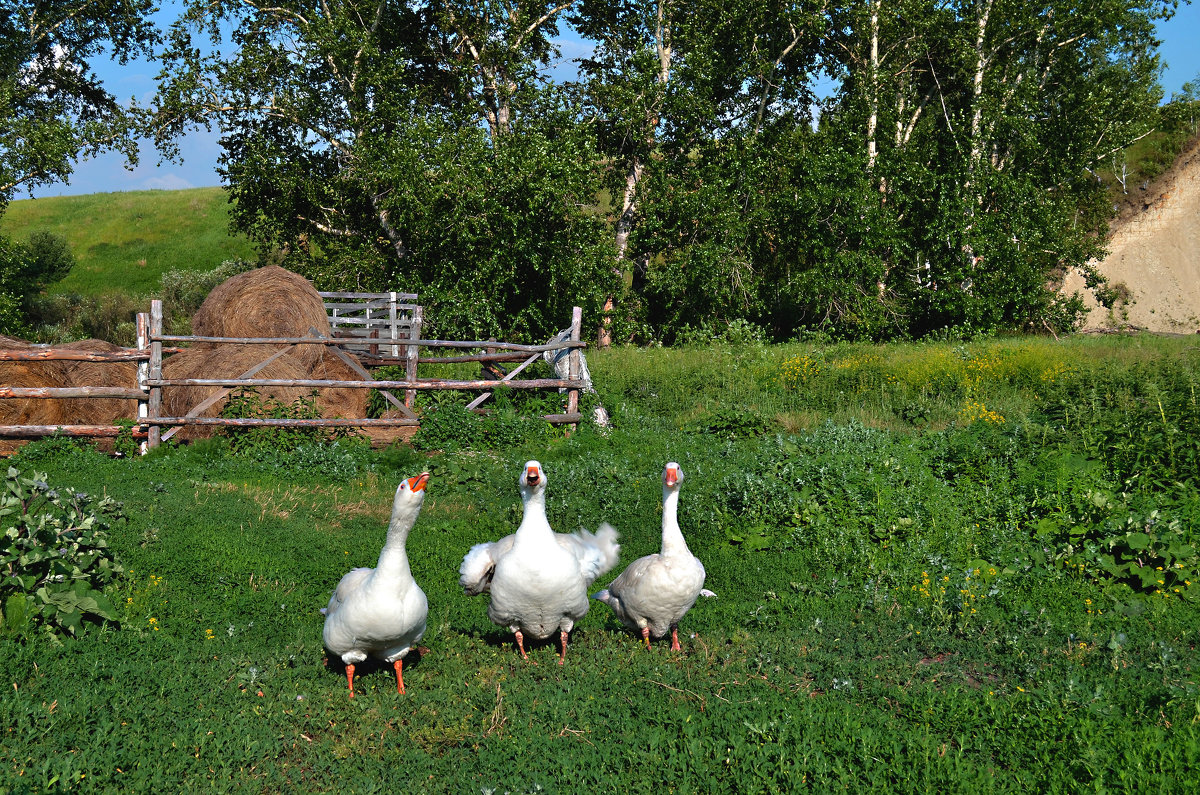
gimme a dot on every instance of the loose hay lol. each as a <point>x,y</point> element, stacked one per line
<point>98,411</point>
<point>223,361</point>
<point>60,373</point>
<point>265,302</point>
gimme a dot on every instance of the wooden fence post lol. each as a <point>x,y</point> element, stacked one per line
<point>411,352</point>
<point>573,372</point>
<point>392,316</point>
<point>154,407</point>
<point>143,372</point>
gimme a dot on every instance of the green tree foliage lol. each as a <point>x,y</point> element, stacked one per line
<point>53,108</point>
<point>693,175</point>
<point>413,146</point>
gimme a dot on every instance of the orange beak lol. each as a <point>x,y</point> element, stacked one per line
<point>532,476</point>
<point>672,476</point>
<point>418,483</point>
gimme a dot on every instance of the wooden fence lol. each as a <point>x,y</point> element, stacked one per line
<point>402,339</point>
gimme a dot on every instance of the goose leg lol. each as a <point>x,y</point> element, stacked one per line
<point>675,639</point>
<point>646,637</point>
<point>350,677</point>
<point>563,657</point>
<point>399,666</point>
<point>521,644</point>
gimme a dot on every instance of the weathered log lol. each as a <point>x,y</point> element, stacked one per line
<point>307,383</point>
<point>7,392</point>
<point>478,357</point>
<point>504,346</point>
<point>574,368</point>
<point>67,355</point>
<point>562,419</point>
<point>19,431</point>
<point>285,422</point>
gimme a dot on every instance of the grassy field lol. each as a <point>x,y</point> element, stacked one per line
<point>124,242</point>
<point>937,569</point>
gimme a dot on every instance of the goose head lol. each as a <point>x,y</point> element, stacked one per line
<point>532,479</point>
<point>410,494</point>
<point>672,476</point>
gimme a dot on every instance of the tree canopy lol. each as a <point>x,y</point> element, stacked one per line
<point>53,107</point>
<point>54,110</point>
<point>871,169</point>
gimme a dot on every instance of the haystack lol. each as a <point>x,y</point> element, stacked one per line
<point>59,373</point>
<point>98,411</point>
<point>231,361</point>
<point>339,402</point>
<point>223,361</point>
<point>265,302</point>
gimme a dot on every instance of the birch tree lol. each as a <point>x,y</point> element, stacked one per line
<point>669,79</point>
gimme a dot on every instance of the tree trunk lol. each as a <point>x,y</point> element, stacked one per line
<point>629,201</point>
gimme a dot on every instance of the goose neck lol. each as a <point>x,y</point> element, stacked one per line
<point>533,518</point>
<point>672,536</point>
<point>393,559</point>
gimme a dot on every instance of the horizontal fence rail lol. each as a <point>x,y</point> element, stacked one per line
<point>505,346</point>
<point>286,422</point>
<point>68,355</point>
<point>100,431</point>
<point>307,383</point>
<point>153,346</point>
<point>59,392</point>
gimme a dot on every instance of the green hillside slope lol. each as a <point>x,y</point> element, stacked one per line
<point>126,241</point>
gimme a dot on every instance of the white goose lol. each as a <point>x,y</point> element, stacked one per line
<point>537,578</point>
<point>656,591</point>
<point>381,611</point>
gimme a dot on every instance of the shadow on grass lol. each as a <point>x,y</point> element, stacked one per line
<point>373,665</point>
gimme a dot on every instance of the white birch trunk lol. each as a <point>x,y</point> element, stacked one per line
<point>629,201</point>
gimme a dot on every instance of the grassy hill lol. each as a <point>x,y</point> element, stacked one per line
<point>126,241</point>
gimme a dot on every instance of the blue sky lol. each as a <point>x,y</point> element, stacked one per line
<point>1180,51</point>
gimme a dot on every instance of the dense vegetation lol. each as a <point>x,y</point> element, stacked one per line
<point>939,567</point>
<point>869,170</point>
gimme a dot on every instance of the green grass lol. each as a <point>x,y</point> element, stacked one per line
<point>905,607</point>
<point>899,386</point>
<point>124,242</point>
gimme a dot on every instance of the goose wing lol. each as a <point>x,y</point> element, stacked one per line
<point>479,564</point>
<point>352,581</point>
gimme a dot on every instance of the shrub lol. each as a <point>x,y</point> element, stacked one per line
<point>54,556</point>
<point>63,317</point>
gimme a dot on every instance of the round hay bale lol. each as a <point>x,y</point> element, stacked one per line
<point>348,403</point>
<point>60,373</point>
<point>223,361</point>
<point>265,302</point>
<point>97,411</point>
<point>31,411</point>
